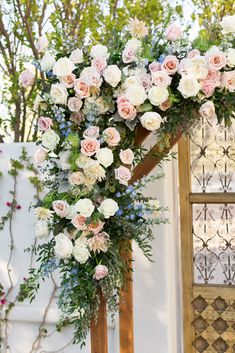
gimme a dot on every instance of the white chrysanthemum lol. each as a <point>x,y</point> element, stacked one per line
<point>42,213</point>
<point>41,229</point>
<point>137,28</point>
<point>95,171</point>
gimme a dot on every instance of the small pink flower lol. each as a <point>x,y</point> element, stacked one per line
<point>40,155</point>
<point>95,227</point>
<point>161,79</point>
<point>193,53</point>
<point>8,204</point>
<point>3,301</point>
<point>92,132</point>
<point>228,81</point>
<point>170,64</point>
<point>123,174</point>
<point>126,110</point>
<point>44,123</point>
<point>89,146</point>
<point>99,64</point>
<point>81,88</point>
<point>68,80</point>
<point>145,81</point>
<point>126,156</point>
<point>216,60</point>
<point>18,207</point>
<point>101,271</point>
<point>165,105</point>
<point>27,78</point>
<point>79,222</point>
<point>154,67</point>
<point>173,32</point>
<point>111,136</point>
<point>60,207</point>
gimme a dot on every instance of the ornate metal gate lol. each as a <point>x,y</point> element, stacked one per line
<point>207,198</point>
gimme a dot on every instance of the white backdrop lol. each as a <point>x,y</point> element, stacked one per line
<point>156,285</point>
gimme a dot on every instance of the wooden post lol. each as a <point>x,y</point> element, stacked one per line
<point>126,317</point>
<point>99,329</point>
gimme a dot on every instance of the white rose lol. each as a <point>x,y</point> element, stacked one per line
<point>47,62</point>
<point>81,253</point>
<point>189,86</point>
<point>108,208</point>
<point>42,44</point>
<point>63,67</point>
<point>136,94</point>
<point>63,246</point>
<point>41,229</point>
<point>112,75</point>
<point>105,157</point>
<point>151,120</point>
<point>231,57</point>
<point>91,77</point>
<point>85,207</point>
<point>58,94</point>
<point>74,104</point>
<point>131,81</point>
<point>228,24</point>
<point>63,161</point>
<point>99,51</point>
<point>72,211</point>
<point>76,56</point>
<point>50,139</point>
<point>158,95</point>
<point>196,67</point>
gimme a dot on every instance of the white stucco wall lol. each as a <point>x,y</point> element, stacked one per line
<point>156,285</point>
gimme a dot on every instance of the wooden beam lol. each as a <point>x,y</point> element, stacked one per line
<point>141,135</point>
<point>151,160</point>
<point>214,197</point>
<point>99,329</point>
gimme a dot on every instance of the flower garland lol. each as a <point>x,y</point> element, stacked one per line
<point>90,106</point>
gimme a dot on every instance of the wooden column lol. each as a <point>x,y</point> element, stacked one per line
<point>99,329</point>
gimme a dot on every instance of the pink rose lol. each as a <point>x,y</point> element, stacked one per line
<point>95,227</point>
<point>207,110</point>
<point>74,104</point>
<point>129,54</point>
<point>161,79</point>
<point>154,66</point>
<point>173,32</point>
<point>99,64</point>
<point>123,174</point>
<point>170,64</point>
<point>126,110</point>
<point>91,77</point>
<point>27,78</point>
<point>101,271</point>
<point>208,88</point>
<point>40,155</point>
<point>122,99</point>
<point>193,53</point>
<point>77,117</point>
<point>228,80</point>
<point>60,207</point>
<point>68,80</point>
<point>111,136</point>
<point>145,81</point>
<point>79,222</point>
<point>92,132</point>
<point>216,60</point>
<point>182,67</point>
<point>89,146</point>
<point>214,76</point>
<point>44,123</point>
<point>76,178</point>
<point>81,88</point>
<point>126,156</point>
